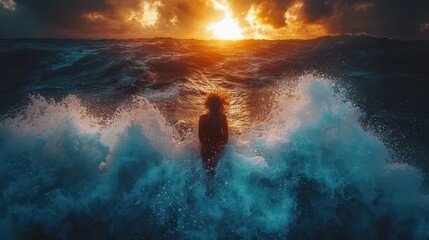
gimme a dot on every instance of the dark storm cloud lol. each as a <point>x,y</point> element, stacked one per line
<point>317,9</point>
<point>97,17</point>
<point>387,18</point>
<point>48,18</point>
<point>63,13</point>
<point>391,18</point>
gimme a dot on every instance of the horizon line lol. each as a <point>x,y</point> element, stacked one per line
<point>215,39</point>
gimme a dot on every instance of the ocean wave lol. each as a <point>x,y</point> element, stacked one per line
<point>308,169</point>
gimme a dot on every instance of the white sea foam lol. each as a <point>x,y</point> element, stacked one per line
<point>308,168</point>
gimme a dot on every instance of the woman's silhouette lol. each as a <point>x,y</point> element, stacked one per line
<point>213,130</point>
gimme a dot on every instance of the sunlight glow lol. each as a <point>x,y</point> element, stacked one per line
<point>150,14</point>
<point>146,16</point>
<point>291,15</point>
<point>297,29</point>
<point>255,28</point>
<point>227,28</point>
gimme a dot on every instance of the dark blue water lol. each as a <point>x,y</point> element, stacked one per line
<point>329,139</point>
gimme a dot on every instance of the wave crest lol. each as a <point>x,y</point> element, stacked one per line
<point>308,170</point>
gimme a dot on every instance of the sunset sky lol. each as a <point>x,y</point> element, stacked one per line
<point>213,19</point>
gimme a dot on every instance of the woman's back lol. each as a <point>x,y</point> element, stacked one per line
<point>213,129</point>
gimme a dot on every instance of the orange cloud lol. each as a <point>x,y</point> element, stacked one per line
<point>363,7</point>
<point>271,19</point>
<point>93,16</point>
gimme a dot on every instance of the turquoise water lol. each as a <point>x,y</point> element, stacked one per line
<point>308,170</point>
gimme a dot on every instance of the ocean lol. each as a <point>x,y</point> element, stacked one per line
<point>329,139</point>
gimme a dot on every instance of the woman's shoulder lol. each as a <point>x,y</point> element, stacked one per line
<point>204,116</point>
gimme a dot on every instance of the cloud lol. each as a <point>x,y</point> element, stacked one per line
<point>270,12</point>
<point>121,18</point>
<point>314,10</point>
<point>64,14</point>
<point>385,18</point>
<point>190,18</point>
<point>187,18</point>
<point>9,5</point>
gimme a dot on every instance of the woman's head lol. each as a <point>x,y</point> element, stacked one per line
<point>216,101</point>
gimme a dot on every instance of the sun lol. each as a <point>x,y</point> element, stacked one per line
<point>227,28</point>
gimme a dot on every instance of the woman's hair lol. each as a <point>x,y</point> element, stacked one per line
<point>217,101</point>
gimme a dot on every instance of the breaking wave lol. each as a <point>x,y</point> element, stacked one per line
<point>308,170</point>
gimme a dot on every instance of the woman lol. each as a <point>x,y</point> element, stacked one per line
<point>213,130</point>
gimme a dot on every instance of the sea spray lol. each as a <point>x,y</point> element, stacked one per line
<point>309,169</point>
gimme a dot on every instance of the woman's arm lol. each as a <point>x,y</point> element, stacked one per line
<point>225,130</point>
<point>200,129</point>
